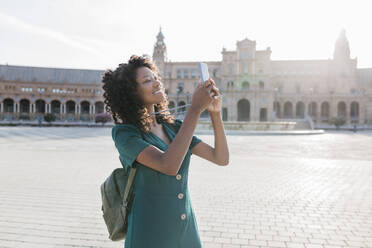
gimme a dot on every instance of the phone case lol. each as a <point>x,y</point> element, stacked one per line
<point>203,71</point>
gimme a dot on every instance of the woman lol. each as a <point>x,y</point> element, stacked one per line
<point>160,146</point>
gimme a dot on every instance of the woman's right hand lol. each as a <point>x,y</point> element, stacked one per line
<point>201,97</point>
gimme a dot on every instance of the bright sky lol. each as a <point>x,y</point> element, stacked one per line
<point>96,34</point>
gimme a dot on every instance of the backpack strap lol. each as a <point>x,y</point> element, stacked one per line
<point>132,173</point>
<point>128,187</point>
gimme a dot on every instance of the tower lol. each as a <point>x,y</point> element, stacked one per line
<point>160,52</point>
<point>344,68</point>
<point>342,49</point>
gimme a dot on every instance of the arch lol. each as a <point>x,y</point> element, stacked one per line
<point>181,103</point>
<point>40,106</point>
<point>204,114</point>
<point>288,110</point>
<point>56,107</point>
<point>263,114</point>
<point>24,106</point>
<point>245,85</point>
<point>70,107</point>
<point>171,104</point>
<point>8,105</point>
<point>300,110</point>
<point>244,108</point>
<point>99,107</point>
<point>341,110</point>
<point>354,112</point>
<point>24,109</point>
<point>85,106</point>
<point>325,111</point>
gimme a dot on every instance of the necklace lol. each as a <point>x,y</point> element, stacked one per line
<point>178,113</point>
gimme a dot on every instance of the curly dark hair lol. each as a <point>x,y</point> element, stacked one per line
<point>122,99</point>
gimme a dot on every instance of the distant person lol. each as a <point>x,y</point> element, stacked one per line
<point>161,215</point>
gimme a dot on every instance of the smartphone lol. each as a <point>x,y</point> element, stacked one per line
<point>203,71</point>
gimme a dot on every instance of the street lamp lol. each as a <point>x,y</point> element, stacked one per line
<point>356,94</point>
<point>275,103</point>
<point>179,91</point>
<point>311,104</point>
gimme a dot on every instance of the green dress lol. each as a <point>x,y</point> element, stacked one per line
<point>161,215</point>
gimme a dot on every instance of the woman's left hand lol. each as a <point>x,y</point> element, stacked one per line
<point>216,104</point>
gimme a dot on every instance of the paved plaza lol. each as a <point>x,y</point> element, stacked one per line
<point>304,191</point>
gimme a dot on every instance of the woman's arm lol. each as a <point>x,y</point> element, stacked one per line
<point>220,153</point>
<point>169,161</point>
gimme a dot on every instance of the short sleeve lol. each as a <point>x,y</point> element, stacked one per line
<point>129,143</point>
<point>195,140</point>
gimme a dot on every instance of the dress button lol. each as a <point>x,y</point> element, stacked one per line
<point>183,216</point>
<point>180,196</point>
<point>178,177</point>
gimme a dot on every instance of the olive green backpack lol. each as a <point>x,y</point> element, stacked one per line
<point>117,199</point>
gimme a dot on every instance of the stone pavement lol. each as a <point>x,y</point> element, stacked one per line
<point>278,191</point>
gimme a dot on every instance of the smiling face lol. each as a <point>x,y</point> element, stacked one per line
<point>149,86</point>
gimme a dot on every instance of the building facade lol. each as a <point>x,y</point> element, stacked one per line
<point>28,93</point>
<point>254,87</point>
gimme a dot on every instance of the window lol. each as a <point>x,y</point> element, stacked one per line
<point>9,87</point>
<point>215,72</point>
<point>262,85</point>
<point>26,89</point>
<point>71,90</point>
<point>59,91</point>
<point>87,91</point>
<point>193,73</point>
<point>180,87</point>
<point>179,73</point>
<point>186,73</point>
<point>231,84</point>
<point>243,54</point>
<point>246,68</point>
<point>230,70</point>
<point>41,90</point>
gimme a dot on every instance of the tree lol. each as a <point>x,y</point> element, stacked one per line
<point>103,118</point>
<point>337,121</point>
<point>49,117</point>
